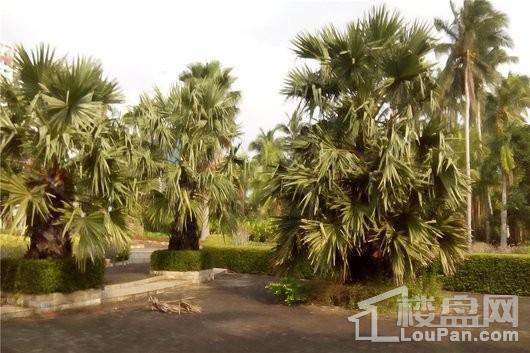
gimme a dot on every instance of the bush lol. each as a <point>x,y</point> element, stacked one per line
<point>49,275</point>
<point>172,260</point>
<point>261,230</point>
<point>348,295</point>
<point>492,273</point>
<point>289,290</point>
<point>239,259</point>
<point>117,255</point>
<point>242,259</point>
<point>8,272</point>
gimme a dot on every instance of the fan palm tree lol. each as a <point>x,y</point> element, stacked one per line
<point>223,79</point>
<point>507,108</point>
<point>268,148</point>
<point>65,160</point>
<point>186,138</point>
<point>371,183</point>
<point>477,42</point>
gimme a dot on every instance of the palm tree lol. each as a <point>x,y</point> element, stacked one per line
<point>268,148</point>
<point>222,78</point>
<point>294,125</point>
<point>65,160</point>
<point>370,184</point>
<point>477,42</point>
<point>269,152</point>
<point>507,108</point>
<point>186,138</point>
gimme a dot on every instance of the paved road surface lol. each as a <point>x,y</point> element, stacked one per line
<point>238,316</point>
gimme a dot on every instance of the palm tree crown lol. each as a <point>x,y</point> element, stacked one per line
<point>65,159</point>
<point>371,180</point>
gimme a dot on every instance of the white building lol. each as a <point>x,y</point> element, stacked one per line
<point>6,60</point>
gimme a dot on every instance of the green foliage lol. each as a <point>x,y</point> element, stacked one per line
<point>325,292</point>
<point>50,275</point>
<point>12,246</point>
<point>257,259</point>
<point>185,151</point>
<point>239,259</point>
<point>261,230</point>
<point>492,273</point>
<point>118,254</point>
<point>8,273</point>
<point>65,164</point>
<point>155,236</point>
<point>288,290</point>
<point>177,260</point>
<point>123,255</point>
<point>346,295</point>
<point>371,176</point>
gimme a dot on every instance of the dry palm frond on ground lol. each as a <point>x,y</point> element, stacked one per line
<point>180,306</point>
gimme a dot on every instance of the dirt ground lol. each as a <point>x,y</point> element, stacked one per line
<point>238,315</point>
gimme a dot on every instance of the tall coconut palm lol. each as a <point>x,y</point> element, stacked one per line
<point>477,41</point>
<point>507,108</point>
<point>371,184</point>
<point>186,137</point>
<point>65,160</point>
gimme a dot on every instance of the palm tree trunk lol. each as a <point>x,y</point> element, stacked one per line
<point>490,214</point>
<point>504,212</point>
<point>47,239</point>
<point>205,230</point>
<point>468,152</point>
<point>479,122</point>
<point>184,239</point>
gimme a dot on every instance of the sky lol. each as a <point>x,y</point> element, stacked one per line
<point>144,44</point>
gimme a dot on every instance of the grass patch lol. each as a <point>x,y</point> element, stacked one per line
<point>153,236</point>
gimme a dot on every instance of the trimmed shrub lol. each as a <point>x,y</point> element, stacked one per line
<point>8,272</point>
<point>242,259</point>
<point>239,259</point>
<point>176,260</point>
<point>31,276</point>
<point>492,273</point>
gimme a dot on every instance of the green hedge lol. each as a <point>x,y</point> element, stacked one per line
<point>172,260</point>
<point>492,273</point>
<point>239,259</point>
<point>50,275</point>
<point>257,260</point>
<point>8,273</point>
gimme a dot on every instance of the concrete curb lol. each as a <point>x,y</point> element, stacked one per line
<point>23,305</point>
